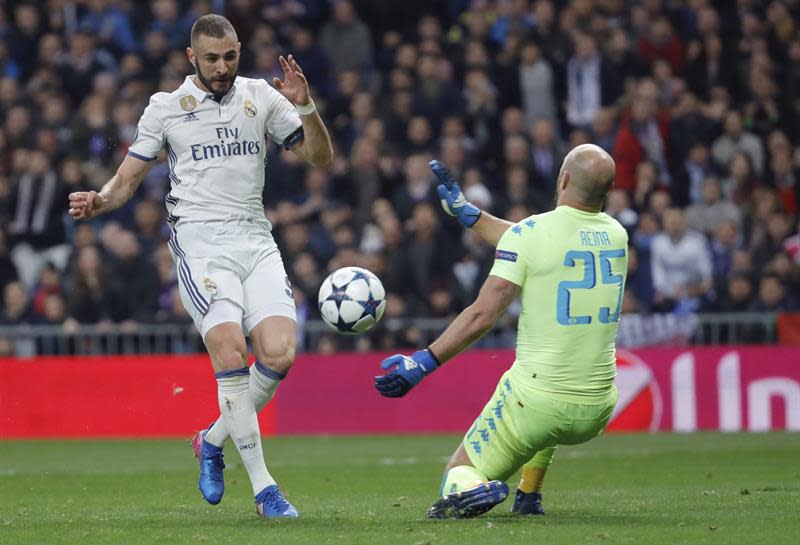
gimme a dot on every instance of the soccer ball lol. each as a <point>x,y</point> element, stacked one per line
<point>351,300</point>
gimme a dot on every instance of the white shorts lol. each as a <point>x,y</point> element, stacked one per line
<point>231,272</point>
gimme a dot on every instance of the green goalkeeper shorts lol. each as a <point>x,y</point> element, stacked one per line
<point>519,421</point>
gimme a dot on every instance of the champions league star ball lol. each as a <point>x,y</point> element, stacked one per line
<point>352,300</point>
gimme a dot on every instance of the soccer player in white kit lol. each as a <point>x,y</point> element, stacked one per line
<point>214,129</point>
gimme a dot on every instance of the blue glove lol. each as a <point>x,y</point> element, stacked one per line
<point>452,198</point>
<point>409,371</point>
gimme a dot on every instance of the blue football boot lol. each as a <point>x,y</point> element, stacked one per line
<point>270,503</point>
<point>211,482</point>
<point>528,503</point>
<point>470,503</point>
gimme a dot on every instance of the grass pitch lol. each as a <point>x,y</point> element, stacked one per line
<point>651,489</point>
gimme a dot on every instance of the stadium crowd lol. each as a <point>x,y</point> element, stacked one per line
<point>698,101</point>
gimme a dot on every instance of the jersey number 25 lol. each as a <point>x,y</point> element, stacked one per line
<point>588,282</point>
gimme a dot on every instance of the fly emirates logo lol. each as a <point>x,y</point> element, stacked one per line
<point>229,145</point>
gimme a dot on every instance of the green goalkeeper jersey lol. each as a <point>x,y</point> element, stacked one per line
<point>571,267</point>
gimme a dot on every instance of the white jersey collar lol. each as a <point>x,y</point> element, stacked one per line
<point>191,87</point>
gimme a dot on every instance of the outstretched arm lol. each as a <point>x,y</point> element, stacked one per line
<point>407,371</point>
<point>316,147</point>
<point>487,226</point>
<point>475,320</point>
<point>84,205</point>
<point>491,228</point>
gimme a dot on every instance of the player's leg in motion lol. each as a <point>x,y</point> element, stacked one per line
<point>466,492</point>
<point>274,341</point>
<point>528,500</point>
<point>226,345</point>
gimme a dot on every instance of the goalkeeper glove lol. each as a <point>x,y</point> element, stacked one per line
<point>452,198</point>
<point>408,372</point>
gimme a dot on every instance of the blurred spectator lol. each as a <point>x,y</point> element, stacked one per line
<point>424,259</point>
<point>691,127</point>
<point>49,283</point>
<point>82,63</point>
<point>587,83</point>
<point>168,20</point>
<point>707,64</point>
<point>681,265</point>
<point>741,180</point>
<point>738,294</point>
<point>643,134</point>
<point>707,215</point>
<point>92,295</point>
<point>734,139</point>
<point>149,222</point>
<point>312,59</point>
<point>418,186</point>
<point>547,156</point>
<point>346,39</point>
<point>622,63</point>
<point>16,305</point>
<point>778,229</point>
<point>110,24</point>
<point>137,278</point>
<point>537,83</point>
<point>24,35</point>
<point>726,241</point>
<point>604,129</point>
<point>642,243</point>
<point>772,296</point>
<point>697,168</point>
<point>662,43</point>
<point>618,207</point>
<point>37,227</point>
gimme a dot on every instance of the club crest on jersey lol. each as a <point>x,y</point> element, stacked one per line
<point>209,285</point>
<point>250,108</point>
<point>188,103</point>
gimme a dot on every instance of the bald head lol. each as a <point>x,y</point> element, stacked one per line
<point>586,176</point>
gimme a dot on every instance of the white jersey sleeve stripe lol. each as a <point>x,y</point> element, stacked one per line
<point>140,157</point>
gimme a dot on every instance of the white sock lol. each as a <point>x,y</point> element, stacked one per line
<point>241,421</point>
<point>263,383</point>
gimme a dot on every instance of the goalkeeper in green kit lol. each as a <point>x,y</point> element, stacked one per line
<point>569,266</point>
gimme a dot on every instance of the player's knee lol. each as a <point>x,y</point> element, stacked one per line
<point>276,352</point>
<point>228,354</point>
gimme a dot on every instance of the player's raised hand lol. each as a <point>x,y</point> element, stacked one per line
<point>406,372</point>
<point>84,205</point>
<point>294,85</point>
<point>452,198</point>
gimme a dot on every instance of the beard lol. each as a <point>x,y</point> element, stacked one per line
<point>222,86</point>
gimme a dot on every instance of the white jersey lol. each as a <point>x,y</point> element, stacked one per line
<point>216,152</point>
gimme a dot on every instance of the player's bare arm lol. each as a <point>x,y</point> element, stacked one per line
<point>473,323</point>
<point>487,226</point>
<point>84,205</point>
<point>491,228</point>
<point>475,320</point>
<point>316,147</point>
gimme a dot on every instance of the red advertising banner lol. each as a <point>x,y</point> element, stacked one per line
<point>724,388</point>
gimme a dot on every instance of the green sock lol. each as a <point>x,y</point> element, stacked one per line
<point>461,478</point>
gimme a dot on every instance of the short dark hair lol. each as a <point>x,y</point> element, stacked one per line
<point>212,25</point>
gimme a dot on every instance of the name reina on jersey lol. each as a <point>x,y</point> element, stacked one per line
<point>216,151</point>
